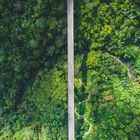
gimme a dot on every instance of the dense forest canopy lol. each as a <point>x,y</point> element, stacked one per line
<point>33,69</point>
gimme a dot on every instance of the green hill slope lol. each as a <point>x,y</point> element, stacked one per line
<point>33,70</point>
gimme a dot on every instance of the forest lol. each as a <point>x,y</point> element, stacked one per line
<point>33,69</point>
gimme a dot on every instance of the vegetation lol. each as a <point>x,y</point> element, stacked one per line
<point>33,70</point>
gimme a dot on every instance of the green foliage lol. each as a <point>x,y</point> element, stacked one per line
<point>32,36</point>
<point>111,65</point>
<point>33,70</point>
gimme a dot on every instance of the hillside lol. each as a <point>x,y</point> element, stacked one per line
<point>33,70</point>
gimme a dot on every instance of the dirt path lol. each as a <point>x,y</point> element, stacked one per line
<point>86,119</point>
<point>130,71</point>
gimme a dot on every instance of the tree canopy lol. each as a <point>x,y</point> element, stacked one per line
<point>33,70</point>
